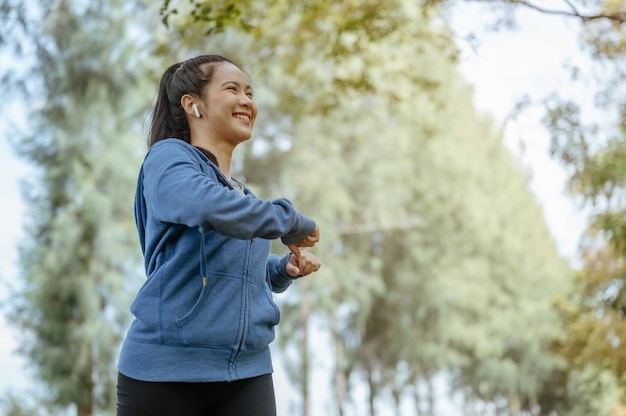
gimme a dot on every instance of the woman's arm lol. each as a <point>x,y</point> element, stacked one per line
<point>178,191</point>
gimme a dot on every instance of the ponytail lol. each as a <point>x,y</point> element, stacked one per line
<point>166,118</point>
<point>189,77</point>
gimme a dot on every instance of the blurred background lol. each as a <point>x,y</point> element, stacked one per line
<point>465,161</point>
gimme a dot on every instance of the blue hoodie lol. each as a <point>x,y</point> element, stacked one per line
<point>205,311</point>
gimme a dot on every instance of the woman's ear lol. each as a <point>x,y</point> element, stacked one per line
<point>190,106</point>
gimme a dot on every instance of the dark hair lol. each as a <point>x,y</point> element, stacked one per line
<point>187,77</point>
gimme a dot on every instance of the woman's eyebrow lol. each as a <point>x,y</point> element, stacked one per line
<point>247,86</point>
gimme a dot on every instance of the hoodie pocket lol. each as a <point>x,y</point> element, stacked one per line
<point>215,318</point>
<point>263,316</point>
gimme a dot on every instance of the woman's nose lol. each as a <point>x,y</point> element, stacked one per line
<point>245,100</point>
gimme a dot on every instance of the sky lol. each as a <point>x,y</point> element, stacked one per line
<point>11,212</point>
<point>529,61</point>
<point>504,67</point>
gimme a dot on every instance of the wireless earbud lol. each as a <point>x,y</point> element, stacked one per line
<point>195,110</point>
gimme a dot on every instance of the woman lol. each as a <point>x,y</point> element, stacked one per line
<point>205,316</point>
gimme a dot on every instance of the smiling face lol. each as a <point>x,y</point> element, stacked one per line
<point>229,108</point>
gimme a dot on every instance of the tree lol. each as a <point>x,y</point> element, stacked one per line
<point>608,10</point>
<point>411,276</point>
<point>80,257</point>
<point>589,138</point>
<point>594,318</point>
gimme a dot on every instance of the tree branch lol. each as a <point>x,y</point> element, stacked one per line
<point>619,17</point>
<point>406,224</point>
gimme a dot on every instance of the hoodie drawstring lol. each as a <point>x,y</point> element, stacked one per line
<point>203,266</point>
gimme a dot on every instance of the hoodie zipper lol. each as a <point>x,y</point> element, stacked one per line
<point>243,333</point>
<point>232,365</point>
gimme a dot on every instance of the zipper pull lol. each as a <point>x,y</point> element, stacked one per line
<point>204,281</point>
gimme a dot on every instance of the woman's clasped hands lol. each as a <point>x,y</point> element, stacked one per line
<point>302,262</point>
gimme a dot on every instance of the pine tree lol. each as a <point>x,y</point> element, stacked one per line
<point>80,257</point>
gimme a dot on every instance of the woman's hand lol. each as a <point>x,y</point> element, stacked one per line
<point>308,241</point>
<point>302,265</point>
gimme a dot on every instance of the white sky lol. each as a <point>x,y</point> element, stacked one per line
<point>506,66</point>
<point>529,61</point>
<point>11,212</point>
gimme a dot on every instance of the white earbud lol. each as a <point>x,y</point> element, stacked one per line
<point>195,110</point>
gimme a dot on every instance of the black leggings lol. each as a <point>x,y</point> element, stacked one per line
<point>247,397</point>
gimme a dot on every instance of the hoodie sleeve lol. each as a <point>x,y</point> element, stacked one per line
<point>177,190</point>
<point>277,270</point>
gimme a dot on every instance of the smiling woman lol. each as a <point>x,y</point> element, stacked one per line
<point>205,316</point>
<point>224,117</point>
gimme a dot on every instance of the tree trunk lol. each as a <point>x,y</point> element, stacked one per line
<point>369,366</point>
<point>396,389</point>
<point>85,401</point>
<point>372,388</point>
<point>305,313</point>
<point>514,404</point>
<point>341,382</point>
<point>430,395</point>
<point>416,396</point>
<point>83,412</point>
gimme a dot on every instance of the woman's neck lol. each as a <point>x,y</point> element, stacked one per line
<point>223,154</point>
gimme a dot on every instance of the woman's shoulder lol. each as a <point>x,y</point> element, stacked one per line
<point>170,153</point>
<point>171,143</point>
<point>170,147</point>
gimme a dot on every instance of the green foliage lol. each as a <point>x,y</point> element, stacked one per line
<point>593,317</point>
<point>435,255</point>
<point>595,156</point>
<point>214,16</point>
<point>286,31</point>
<point>588,137</point>
<point>80,257</point>
<point>12,405</point>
